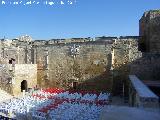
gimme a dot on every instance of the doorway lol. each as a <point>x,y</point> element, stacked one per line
<point>24,86</point>
<point>75,84</point>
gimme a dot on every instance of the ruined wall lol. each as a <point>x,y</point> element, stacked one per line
<point>140,95</point>
<point>22,72</point>
<point>20,51</point>
<point>15,49</point>
<point>149,29</point>
<point>90,67</point>
<point>6,75</point>
<point>94,65</point>
<point>124,52</point>
<point>147,67</point>
<point>11,77</point>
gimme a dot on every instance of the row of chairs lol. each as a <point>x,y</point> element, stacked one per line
<point>68,111</point>
<point>48,100</point>
<point>6,118</point>
<point>67,94</point>
<point>58,90</point>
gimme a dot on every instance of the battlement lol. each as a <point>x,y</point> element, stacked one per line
<point>39,42</point>
<point>150,14</point>
<point>89,40</point>
<point>129,37</point>
<point>104,38</point>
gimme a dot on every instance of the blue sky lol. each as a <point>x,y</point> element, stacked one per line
<point>83,18</point>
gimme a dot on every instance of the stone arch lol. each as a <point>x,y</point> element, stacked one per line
<point>24,85</point>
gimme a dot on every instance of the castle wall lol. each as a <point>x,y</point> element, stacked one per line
<point>91,65</point>
<point>147,67</point>
<point>125,52</point>
<point>140,95</point>
<point>87,67</point>
<point>6,77</point>
<point>11,76</point>
<point>22,72</point>
<point>149,26</point>
<point>21,53</point>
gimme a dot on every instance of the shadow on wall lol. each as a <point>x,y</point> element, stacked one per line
<point>102,82</point>
<point>147,67</point>
<point>90,72</point>
<point>6,85</point>
<point>116,81</point>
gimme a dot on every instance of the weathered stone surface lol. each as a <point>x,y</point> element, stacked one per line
<point>147,67</point>
<point>91,61</point>
<point>140,95</point>
<point>11,77</point>
<point>22,72</point>
<point>150,31</point>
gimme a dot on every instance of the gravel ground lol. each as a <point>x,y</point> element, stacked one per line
<point>4,96</point>
<point>127,113</point>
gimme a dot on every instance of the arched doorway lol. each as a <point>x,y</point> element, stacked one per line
<point>75,84</point>
<point>24,86</point>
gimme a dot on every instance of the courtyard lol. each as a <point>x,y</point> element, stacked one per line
<point>56,104</point>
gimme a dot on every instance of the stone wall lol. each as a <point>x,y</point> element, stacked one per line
<point>94,65</point>
<point>147,67</point>
<point>149,26</point>
<point>90,67</point>
<point>22,72</point>
<point>11,77</point>
<point>6,75</point>
<point>124,52</point>
<point>140,95</point>
<point>18,50</point>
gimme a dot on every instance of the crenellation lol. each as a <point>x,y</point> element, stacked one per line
<point>104,38</point>
<point>129,37</point>
<point>39,42</point>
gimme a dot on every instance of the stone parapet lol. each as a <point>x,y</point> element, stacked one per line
<point>140,95</point>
